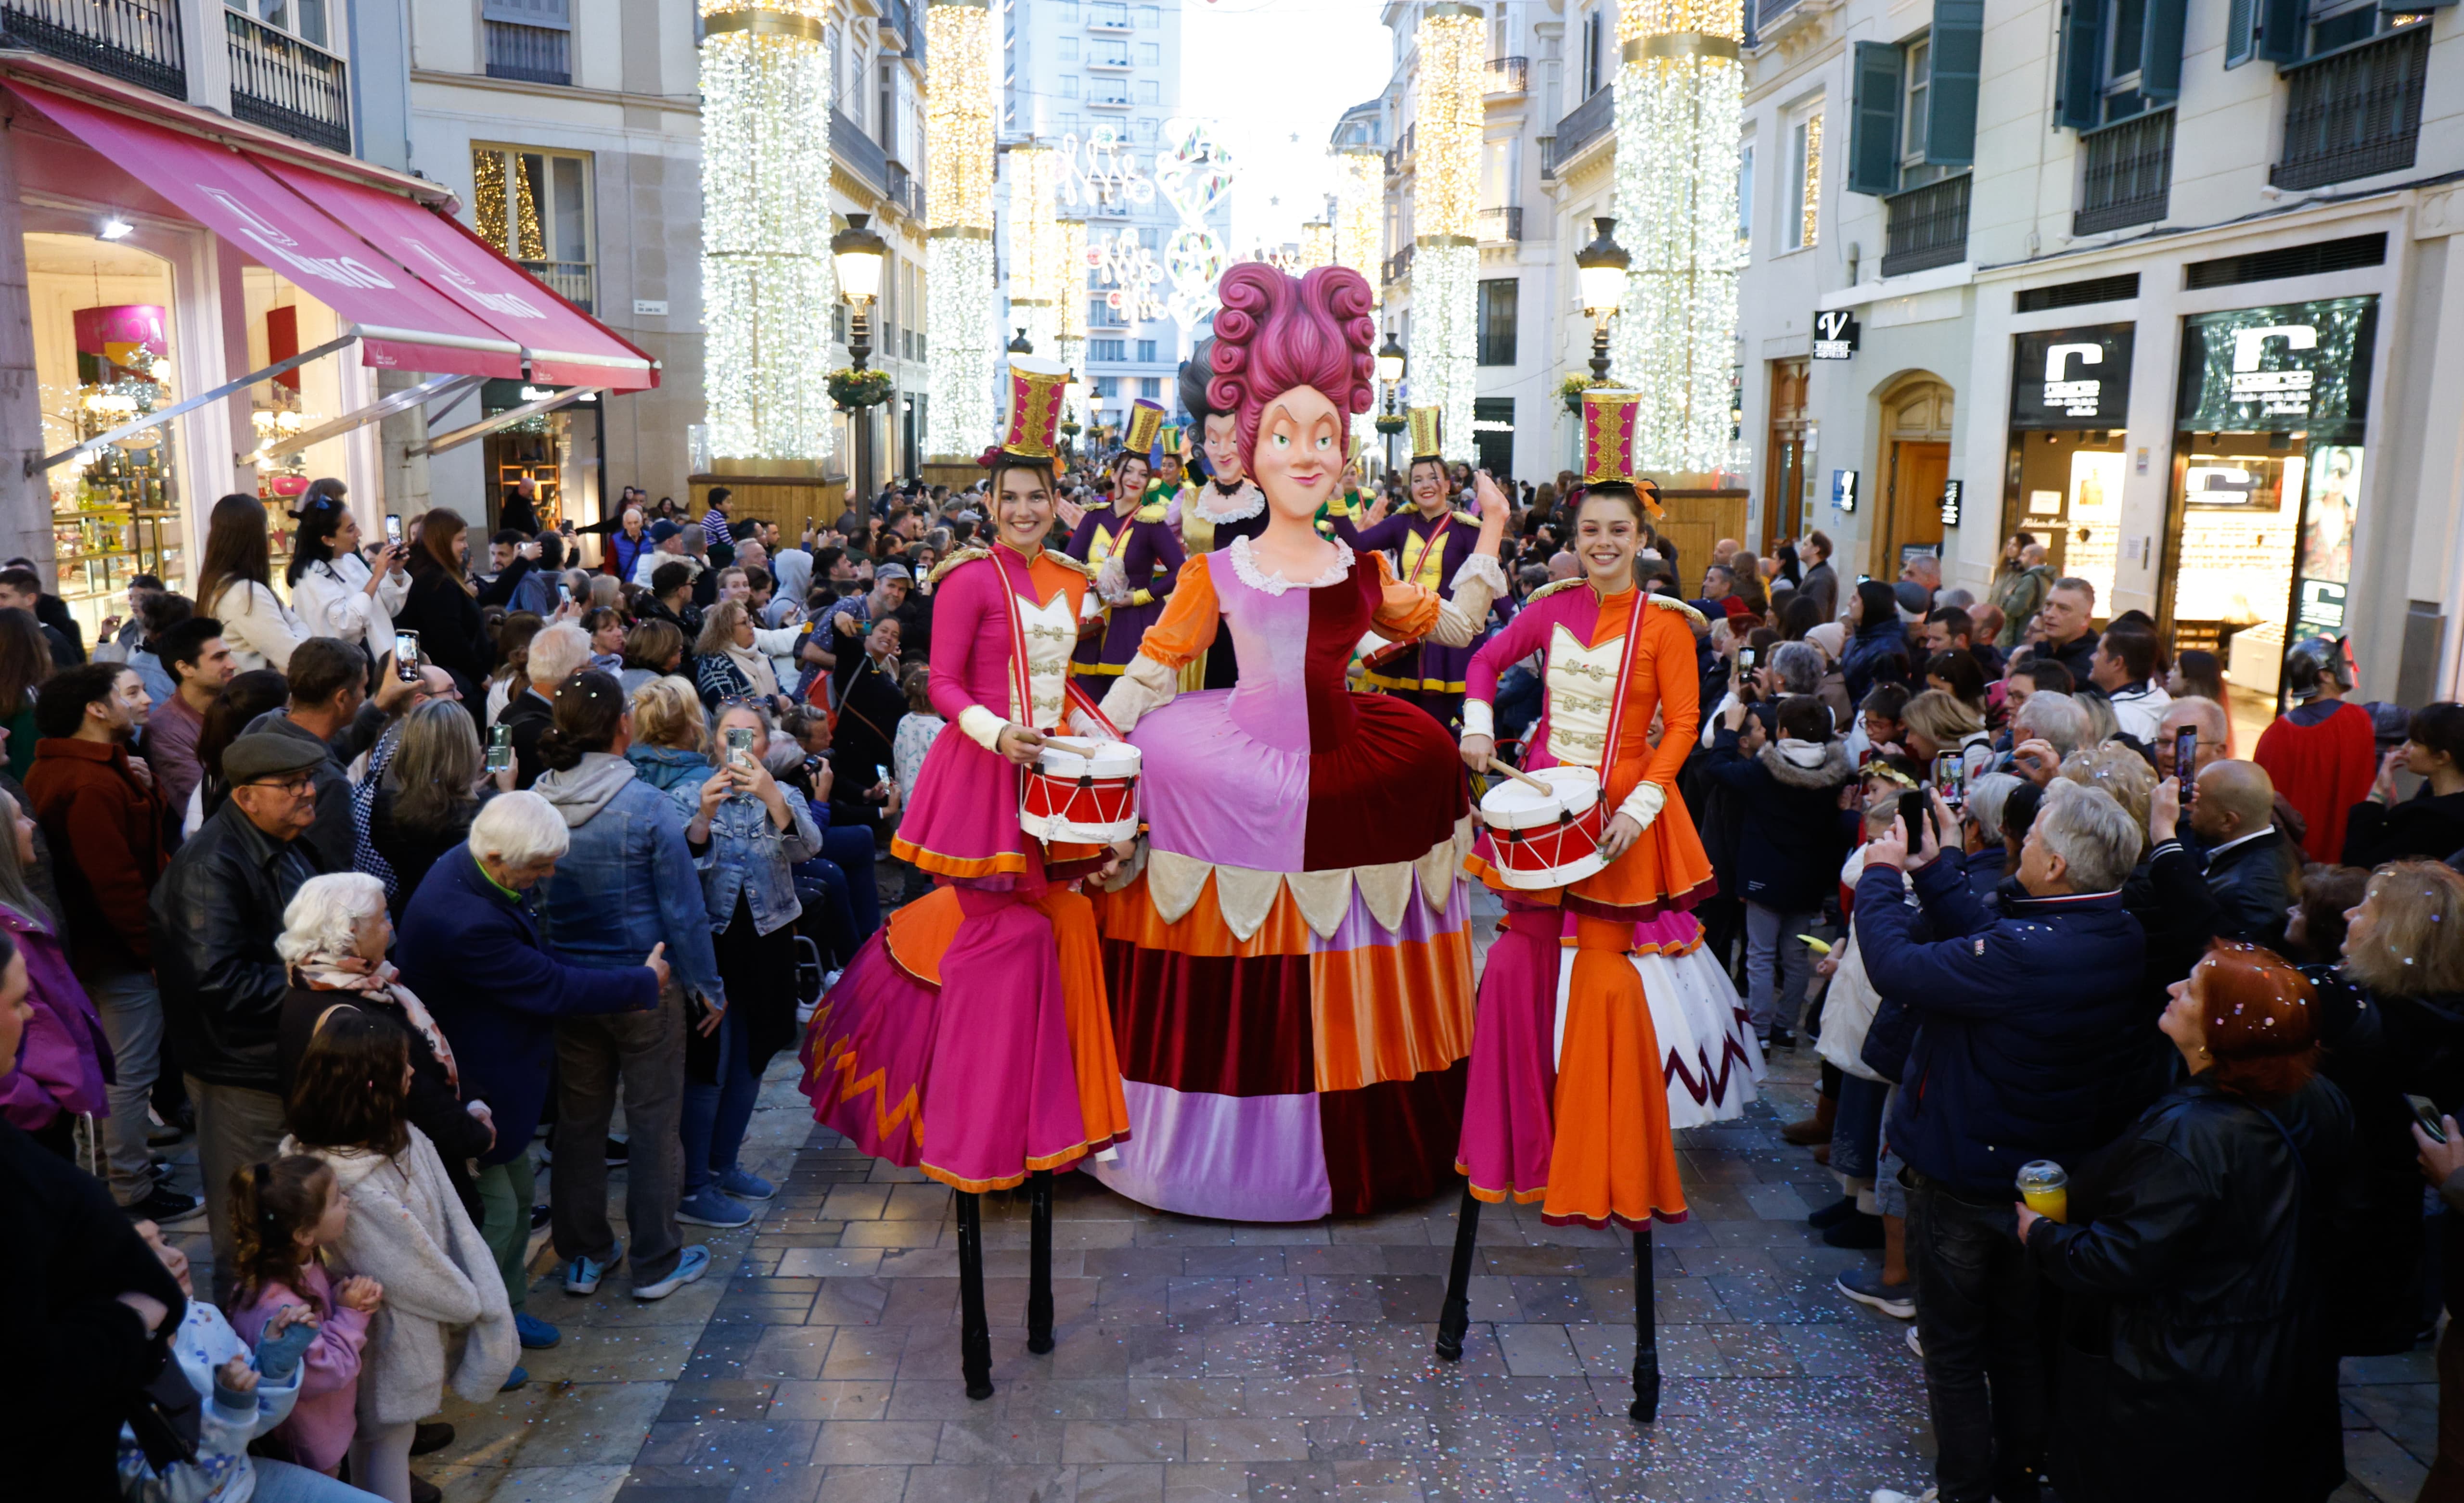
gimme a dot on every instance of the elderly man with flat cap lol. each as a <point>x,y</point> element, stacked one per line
<point>214,917</point>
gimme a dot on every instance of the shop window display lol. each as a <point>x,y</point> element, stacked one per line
<point>2070,390</point>
<point>281,322</point>
<point>103,354</point>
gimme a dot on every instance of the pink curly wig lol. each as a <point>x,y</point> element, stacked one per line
<point>1275,332</point>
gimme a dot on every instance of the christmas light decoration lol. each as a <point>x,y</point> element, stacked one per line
<point>1039,277</point>
<point>1446,257</point>
<point>958,254</point>
<point>1070,283</point>
<point>1679,93</point>
<point>1358,199</point>
<point>1317,243</point>
<point>767,284</point>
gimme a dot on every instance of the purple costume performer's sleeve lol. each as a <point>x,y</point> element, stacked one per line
<point>1388,533</point>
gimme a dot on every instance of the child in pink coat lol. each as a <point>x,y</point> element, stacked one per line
<point>283,1214</point>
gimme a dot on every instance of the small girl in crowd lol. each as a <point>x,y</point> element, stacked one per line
<point>283,1216</point>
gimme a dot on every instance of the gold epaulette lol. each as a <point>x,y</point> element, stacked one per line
<point>1551,588</point>
<point>1466,519</point>
<point>953,561</point>
<point>1670,603</point>
<point>1153,512</point>
<point>1070,562</point>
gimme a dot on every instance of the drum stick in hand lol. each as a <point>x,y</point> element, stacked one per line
<point>1520,776</point>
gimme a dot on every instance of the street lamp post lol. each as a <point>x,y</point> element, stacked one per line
<point>1390,370</point>
<point>858,252</point>
<point>1601,268</point>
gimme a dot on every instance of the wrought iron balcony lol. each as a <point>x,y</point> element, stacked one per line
<point>529,54</point>
<point>2354,112</point>
<point>2129,173</point>
<point>1508,74</point>
<point>136,41</point>
<point>1501,224</point>
<point>1929,227</point>
<point>857,152</point>
<point>282,83</point>
<point>1586,122</point>
<point>906,190</point>
<point>1547,159</point>
<point>1396,266</point>
<point>577,282</point>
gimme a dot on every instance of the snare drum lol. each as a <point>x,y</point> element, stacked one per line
<point>1084,793</point>
<point>1544,840</point>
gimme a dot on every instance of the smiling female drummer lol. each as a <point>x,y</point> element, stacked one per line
<point>1579,1118</point>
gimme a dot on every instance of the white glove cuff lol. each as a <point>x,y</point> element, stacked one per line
<point>1478,719</point>
<point>1484,567</point>
<point>982,726</point>
<point>1644,805</point>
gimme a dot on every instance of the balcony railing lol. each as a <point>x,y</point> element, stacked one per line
<point>1508,74</point>
<point>1501,224</point>
<point>282,83</point>
<point>136,41</point>
<point>1396,266</point>
<point>529,54</point>
<point>577,282</point>
<point>906,190</point>
<point>1547,159</point>
<point>858,152</point>
<point>2354,112</point>
<point>1581,125</point>
<point>2129,173</point>
<point>1929,227</point>
<point>1766,11</point>
<point>1108,101</point>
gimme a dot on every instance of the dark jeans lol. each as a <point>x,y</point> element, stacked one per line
<point>850,846</point>
<point>1857,1127</point>
<point>1976,1316</point>
<point>644,1055</point>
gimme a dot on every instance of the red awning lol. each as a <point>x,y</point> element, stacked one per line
<point>419,289</point>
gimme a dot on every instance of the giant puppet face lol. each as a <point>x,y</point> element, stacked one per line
<point>1300,451</point>
<point>1222,444</point>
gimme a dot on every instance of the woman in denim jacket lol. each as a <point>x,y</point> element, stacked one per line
<point>747,833</point>
<point>626,881</point>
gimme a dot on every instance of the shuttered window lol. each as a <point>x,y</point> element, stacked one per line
<point>1874,119</point>
<point>1958,48</point>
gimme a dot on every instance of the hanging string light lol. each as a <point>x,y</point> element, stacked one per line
<point>1679,94</point>
<point>767,284</point>
<point>1446,256</point>
<point>1037,274</point>
<point>959,251</point>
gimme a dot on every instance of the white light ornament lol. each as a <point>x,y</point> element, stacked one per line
<point>1679,93</point>
<point>1039,277</point>
<point>1195,173</point>
<point>767,283</point>
<point>959,249</point>
<point>1452,43</point>
<point>1132,280</point>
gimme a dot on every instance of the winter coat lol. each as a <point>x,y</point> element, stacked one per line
<point>214,918</point>
<point>2020,594</point>
<point>2192,1262</point>
<point>90,802</point>
<point>260,631</point>
<point>2250,883</point>
<point>2425,827</point>
<point>2032,1040</point>
<point>332,599</point>
<point>526,717</point>
<point>1878,654</point>
<point>451,635</point>
<point>411,850</point>
<point>445,1304</point>
<point>65,1060</point>
<point>322,1422</point>
<point>1791,838</point>
<point>1848,1004</point>
<point>472,951</point>
<point>224,1472</point>
<point>434,1105</point>
<point>624,551</point>
<point>627,882</point>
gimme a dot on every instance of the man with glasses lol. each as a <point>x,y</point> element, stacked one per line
<point>214,917</point>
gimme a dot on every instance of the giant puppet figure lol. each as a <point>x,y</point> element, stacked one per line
<point>970,1036</point>
<point>1603,1021</point>
<point>1430,542</point>
<point>1215,508</point>
<point>1291,968</point>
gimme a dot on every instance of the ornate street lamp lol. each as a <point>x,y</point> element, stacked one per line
<point>1390,370</point>
<point>1600,269</point>
<point>857,252</point>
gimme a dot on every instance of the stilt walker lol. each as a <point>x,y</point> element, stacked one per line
<point>1602,1024</point>
<point>971,1037</point>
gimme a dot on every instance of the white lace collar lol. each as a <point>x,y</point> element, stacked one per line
<point>1246,503</point>
<point>1246,565</point>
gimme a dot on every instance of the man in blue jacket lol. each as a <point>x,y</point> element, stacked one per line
<point>2030,1045</point>
<point>470,947</point>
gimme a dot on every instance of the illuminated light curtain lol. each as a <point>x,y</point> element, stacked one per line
<point>1446,257</point>
<point>1680,98</point>
<point>1037,276</point>
<point>767,283</point>
<point>1069,284</point>
<point>1317,243</point>
<point>959,251</point>
<point>1360,173</point>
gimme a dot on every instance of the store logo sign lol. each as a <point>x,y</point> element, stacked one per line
<point>1951,502</point>
<point>2074,398</point>
<point>278,246</point>
<point>1834,335</point>
<point>513,305</point>
<point>2279,392</point>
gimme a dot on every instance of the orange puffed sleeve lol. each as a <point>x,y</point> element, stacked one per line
<point>1405,612</point>
<point>1190,620</point>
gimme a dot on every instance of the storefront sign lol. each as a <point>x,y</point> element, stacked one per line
<point>2296,367</point>
<point>1950,490</point>
<point>2072,377</point>
<point>1834,335</point>
<point>1843,491</point>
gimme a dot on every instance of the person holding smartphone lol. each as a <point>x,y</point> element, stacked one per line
<point>337,589</point>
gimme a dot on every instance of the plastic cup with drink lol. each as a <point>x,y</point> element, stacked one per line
<point>2046,1187</point>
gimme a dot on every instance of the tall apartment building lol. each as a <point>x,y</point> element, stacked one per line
<point>1516,418</point>
<point>1101,79</point>
<point>2170,286</point>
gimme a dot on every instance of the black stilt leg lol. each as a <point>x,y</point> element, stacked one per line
<point>1646,1334</point>
<point>975,1334</point>
<point>1039,1263</point>
<point>1455,1316</point>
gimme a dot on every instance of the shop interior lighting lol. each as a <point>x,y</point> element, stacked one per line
<point>115,228</point>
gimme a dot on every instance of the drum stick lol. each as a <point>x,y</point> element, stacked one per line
<point>1520,776</point>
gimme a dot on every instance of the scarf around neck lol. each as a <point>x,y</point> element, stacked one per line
<point>324,972</point>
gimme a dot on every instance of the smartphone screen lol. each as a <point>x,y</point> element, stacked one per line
<point>500,748</point>
<point>2425,1111</point>
<point>1745,659</point>
<point>739,745</point>
<point>1951,777</point>
<point>406,653</point>
<point>2185,757</point>
<point>564,594</point>
<point>393,527</point>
